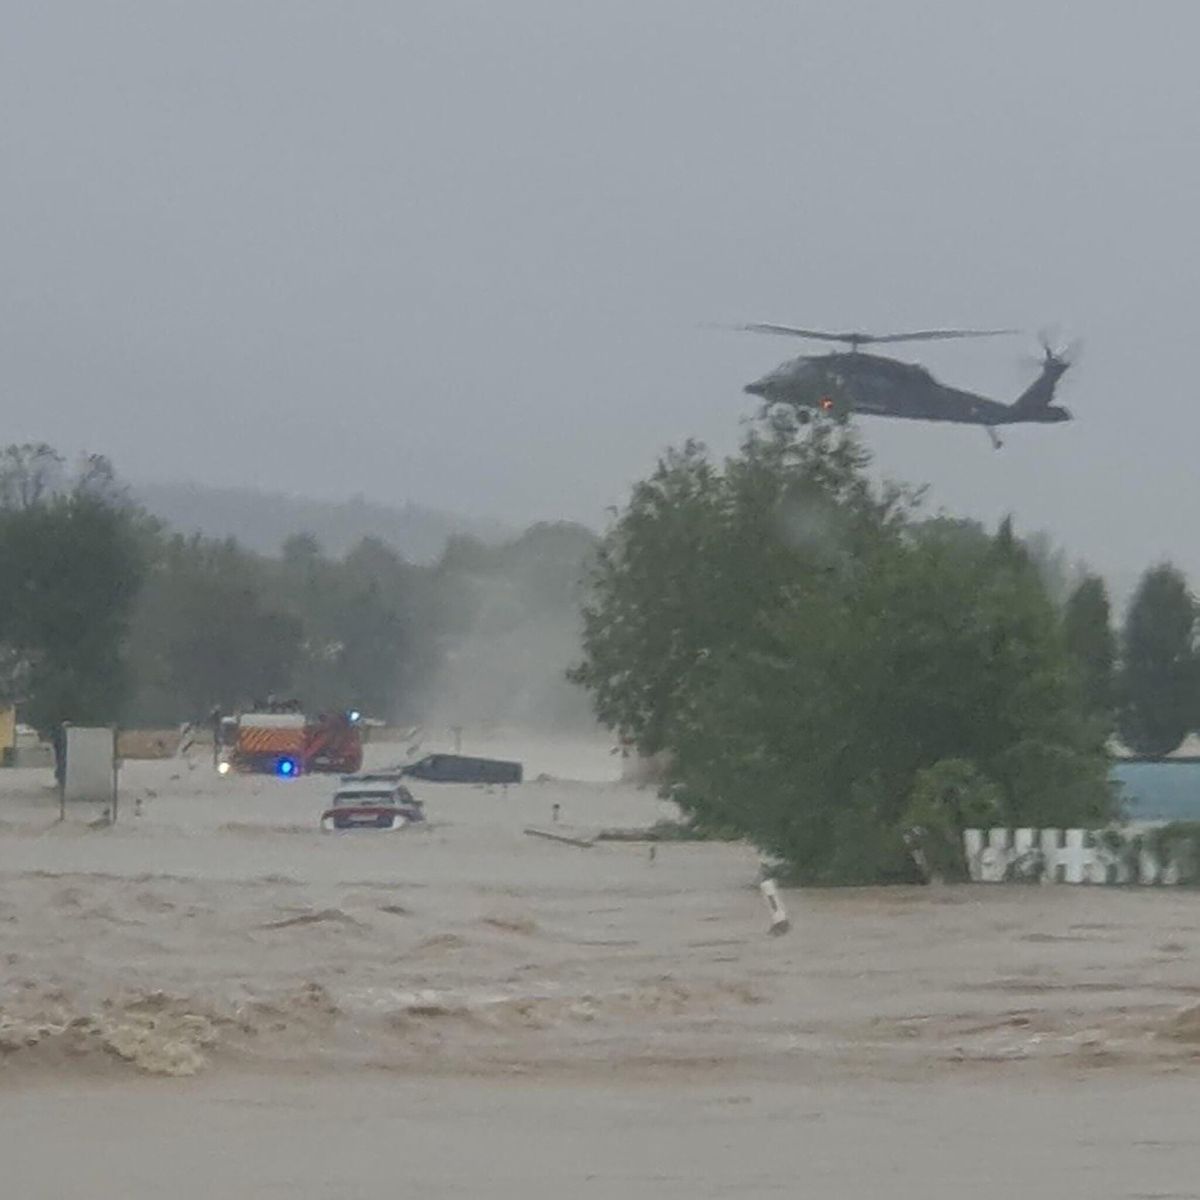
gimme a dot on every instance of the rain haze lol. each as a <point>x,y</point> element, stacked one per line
<point>308,844</point>
<point>467,254</point>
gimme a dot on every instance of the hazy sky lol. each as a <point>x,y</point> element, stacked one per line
<point>464,253</point>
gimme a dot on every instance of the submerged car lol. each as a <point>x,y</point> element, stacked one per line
<point>460,768</point>
<point>372,802</point>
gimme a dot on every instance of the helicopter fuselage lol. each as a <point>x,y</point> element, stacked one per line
<point>854,382</point>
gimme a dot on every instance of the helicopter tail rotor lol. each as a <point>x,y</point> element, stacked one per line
<point>1054,352</point>
<point>1036,402</point>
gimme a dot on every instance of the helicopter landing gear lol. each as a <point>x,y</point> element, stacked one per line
<point>994,438</point>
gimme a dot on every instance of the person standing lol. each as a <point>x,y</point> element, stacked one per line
<point>214,720</point>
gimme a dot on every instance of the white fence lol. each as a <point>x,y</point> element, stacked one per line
<point>1063,856</point>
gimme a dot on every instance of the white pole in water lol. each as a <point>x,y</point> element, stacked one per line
<point>779,918</point>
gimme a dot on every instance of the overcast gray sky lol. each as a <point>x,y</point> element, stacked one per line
<point>463,253</point>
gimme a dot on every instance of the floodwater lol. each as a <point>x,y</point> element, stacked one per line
<point>215,998</point>
<point>378,1135</point>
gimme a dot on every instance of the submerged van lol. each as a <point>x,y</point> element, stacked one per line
<point>460,768</point>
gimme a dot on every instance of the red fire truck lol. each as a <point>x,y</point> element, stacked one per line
<point>288,743</point>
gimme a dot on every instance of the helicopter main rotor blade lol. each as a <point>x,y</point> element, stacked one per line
<point>792,331</point>
<point>866,339</point>
<point>929,335</point>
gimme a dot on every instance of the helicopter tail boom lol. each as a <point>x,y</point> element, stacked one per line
<point>1035,403</point>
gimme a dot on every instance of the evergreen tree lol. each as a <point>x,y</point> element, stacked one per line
<point>1159,677</point>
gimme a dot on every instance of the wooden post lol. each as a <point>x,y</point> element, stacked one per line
<point>115,769</point>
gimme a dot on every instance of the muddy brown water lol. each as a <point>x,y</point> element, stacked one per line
<point>214,997</point>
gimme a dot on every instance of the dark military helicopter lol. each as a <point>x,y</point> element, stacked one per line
<point>846,382</point>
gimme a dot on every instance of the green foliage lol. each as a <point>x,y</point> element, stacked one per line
<point>1160,670</point>
<point>70,569</point>
<point>946,799</point>
<point>1177,844</point>
<point>1087,629</point>
<point>658,599</point>
<point>805,647</point>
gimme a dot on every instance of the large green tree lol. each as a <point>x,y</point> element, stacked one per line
<point>70,569</point>
<point>1160,669</point>
<point>803,648</point>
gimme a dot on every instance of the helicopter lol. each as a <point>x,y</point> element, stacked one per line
<point>848,381</point>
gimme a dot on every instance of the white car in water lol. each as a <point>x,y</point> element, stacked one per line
<point>369,801</point>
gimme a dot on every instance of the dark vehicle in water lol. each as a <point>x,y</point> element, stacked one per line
<point>378,801</point>
<point>460,768</point>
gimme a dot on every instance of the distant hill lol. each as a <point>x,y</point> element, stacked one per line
<point>263,520</point>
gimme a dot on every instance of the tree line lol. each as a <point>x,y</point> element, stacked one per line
<point>108,616</point>
<point>847,682</point>
<point>827,670</point>
<point>1143,678</point>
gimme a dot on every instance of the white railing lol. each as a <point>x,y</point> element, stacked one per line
<point>1063,856</point>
